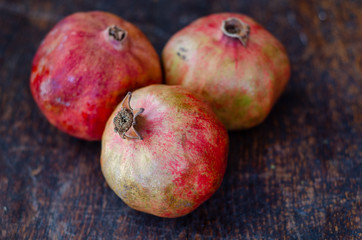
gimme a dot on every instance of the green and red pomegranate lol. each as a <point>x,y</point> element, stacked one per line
<point>174,157</point>
<point>233,62</point>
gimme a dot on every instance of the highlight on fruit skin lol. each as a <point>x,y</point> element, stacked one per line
<point>180,161</point>
<point>233,62</point>
<point>85,66</point>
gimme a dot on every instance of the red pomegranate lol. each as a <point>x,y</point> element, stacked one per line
<point>233,62</point>
<point>85,66</point>
<point>175,157</point>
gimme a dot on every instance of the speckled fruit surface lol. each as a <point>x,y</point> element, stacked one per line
<point>241,78</point>
<point>85,66</point>
<point>181,159</point>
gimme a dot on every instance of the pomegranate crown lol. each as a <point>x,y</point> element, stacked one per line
<point>235,28</point>
<point>125,119</point>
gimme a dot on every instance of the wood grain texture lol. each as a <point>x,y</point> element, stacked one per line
<point>296,176</point>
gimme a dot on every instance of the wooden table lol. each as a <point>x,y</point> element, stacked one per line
<point>296,176</point>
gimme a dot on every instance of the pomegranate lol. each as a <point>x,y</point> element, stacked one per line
<point>233,62</point>
<point>175,157</point>
<point>85,66</point>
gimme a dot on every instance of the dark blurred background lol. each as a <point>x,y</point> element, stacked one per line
<point>295,176</point>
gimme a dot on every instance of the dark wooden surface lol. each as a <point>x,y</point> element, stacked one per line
<point>296,176</point>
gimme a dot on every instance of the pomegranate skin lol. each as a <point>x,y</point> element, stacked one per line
<point>179,163</point>
<point>81,71</point>
<point>241,80</point>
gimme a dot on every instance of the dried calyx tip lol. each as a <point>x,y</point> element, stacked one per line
<point>117,33</point>
<point>125,119</point>
<point>235,28</point>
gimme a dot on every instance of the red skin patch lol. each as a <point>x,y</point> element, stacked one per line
<point>79,74</point>
<point>179,163</point>
<point>240,83</point>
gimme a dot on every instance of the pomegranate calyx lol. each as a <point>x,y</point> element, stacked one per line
<point>235,28</point>
<point>117,33</point>
<point>125,119</point>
